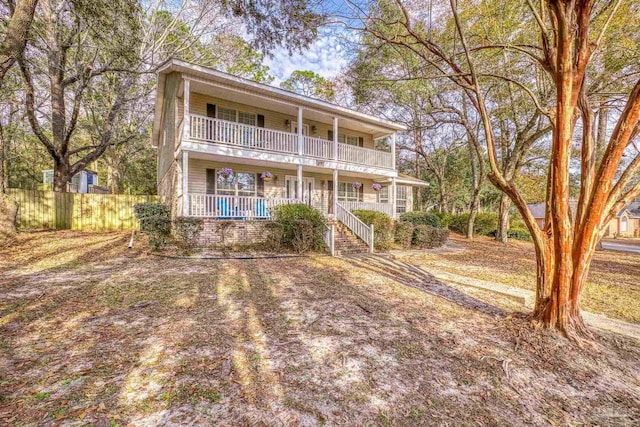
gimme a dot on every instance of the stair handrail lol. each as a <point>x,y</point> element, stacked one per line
<point>353,223</point>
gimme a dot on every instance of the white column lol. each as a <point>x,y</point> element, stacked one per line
<point>393,198</point>
<point>335,191</point>
<point>300,183</point>
<point>186,129</point>
<point>185,183</point>
<point>335,138</point>
<point>300,136</point>
<point>393,150</point>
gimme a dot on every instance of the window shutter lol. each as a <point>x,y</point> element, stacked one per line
<point>360,141</point>
<point>260,186</point>
<point>260,121</point>
<point>361,194</point>
<point>330,191</point>
<point>211,110</point>
<point>211,181</point>
<point>330,135</point>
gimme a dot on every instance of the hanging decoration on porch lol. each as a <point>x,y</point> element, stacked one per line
<point>266,176</point>
<point>357,185</point>
<point>225,172</point>
<point>376,186</point>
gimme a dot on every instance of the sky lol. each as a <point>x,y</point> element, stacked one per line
<point>326,56</point>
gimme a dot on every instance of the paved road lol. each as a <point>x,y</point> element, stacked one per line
<point>621,245</point>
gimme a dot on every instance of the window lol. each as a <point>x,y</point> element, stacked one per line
<point>237,184</point>
<point>247,118</point>
<point>227,114</point>
<point>383,195</point>
<point>401,199</point>
<point>623,225</point>
<point>48,177</point>
<point>347,193</point>
<point>348,139</point>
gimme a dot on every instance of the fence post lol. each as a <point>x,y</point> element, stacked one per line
<point>371,239</point>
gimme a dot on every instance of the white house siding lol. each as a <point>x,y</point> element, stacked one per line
<point>276,187</point>
<point>272,119</point>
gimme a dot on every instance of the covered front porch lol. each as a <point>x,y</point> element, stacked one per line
<point>211,187</point>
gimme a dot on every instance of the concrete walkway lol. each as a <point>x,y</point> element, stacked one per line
<point>527,298</point>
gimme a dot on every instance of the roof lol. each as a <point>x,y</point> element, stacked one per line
<point>632,208</point>
<point>405,179</point>
<point>219,77</point>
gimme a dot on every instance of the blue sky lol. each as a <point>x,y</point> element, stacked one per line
<point>326,56</point>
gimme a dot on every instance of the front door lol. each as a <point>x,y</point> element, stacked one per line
<point>308,189</point>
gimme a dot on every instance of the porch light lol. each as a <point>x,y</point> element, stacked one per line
<point>287,122</point>
<point>225,172</point>
<point>356,185</point>
<point>376,186</point>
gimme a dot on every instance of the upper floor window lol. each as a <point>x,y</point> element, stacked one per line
<point>247,118</point>
<point>227,114</point>
<point>348,139</point>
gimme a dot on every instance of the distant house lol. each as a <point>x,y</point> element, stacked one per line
<point>85,181</point>
<point>625,224</point>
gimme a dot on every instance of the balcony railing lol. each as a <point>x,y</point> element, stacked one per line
<point>220,131</point>
<point>233,207</point>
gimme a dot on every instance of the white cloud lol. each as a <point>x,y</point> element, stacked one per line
<point>325,56</point>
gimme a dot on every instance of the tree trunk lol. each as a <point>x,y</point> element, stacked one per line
<point>61,177</point>
<point>4,173</point>
<point>16,36</point>
<point>503,218</point>
<point>474,205</point>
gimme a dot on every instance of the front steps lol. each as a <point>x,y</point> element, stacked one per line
<point>347,243</point>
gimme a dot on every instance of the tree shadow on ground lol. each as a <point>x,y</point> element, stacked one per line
<point>410,275</point>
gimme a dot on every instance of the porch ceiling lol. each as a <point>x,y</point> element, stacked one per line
<point>280,165</point>
<point>274,104</point>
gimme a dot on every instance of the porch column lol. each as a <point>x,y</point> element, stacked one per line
<point>300,135</point>
<point>335,190</point>
<point>185,183</point>
<point>393,198</point>
<point>393,150</point>
<point>186,129</point>
<point>300,183</point>
<point>335,138</point>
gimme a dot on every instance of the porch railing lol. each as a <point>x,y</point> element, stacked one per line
<point>386,208</point>
<point>233,207</point>
<point>353,223</point>
<point>237,134</point>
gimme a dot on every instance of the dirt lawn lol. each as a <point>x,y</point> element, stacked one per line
<point>613,286</point>
<point>94,334</point>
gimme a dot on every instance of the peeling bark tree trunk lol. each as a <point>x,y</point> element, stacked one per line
<point>503,218</point>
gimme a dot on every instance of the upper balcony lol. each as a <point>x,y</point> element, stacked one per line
<point>232,134</point>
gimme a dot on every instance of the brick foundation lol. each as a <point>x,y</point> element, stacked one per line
<point>241,233</point>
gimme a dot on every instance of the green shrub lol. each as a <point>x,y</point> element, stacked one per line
<point>519,234</point>
<point>155,220</point>
<point>273,240</point>
<point>382,227</point>
<point>421,218</point>
<point>303,233</point>
<point>425,236</point>
<point>223,227</point>
<point>486,223</point>
<point>404,234</point>
<point>445,218</point>
<point>145,210</point>
<point>186,230</point>
<point>287,215</point>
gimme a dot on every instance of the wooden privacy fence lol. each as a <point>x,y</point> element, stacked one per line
<point>39,209</point>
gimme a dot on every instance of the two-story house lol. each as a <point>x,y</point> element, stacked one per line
<point>230,148</point>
